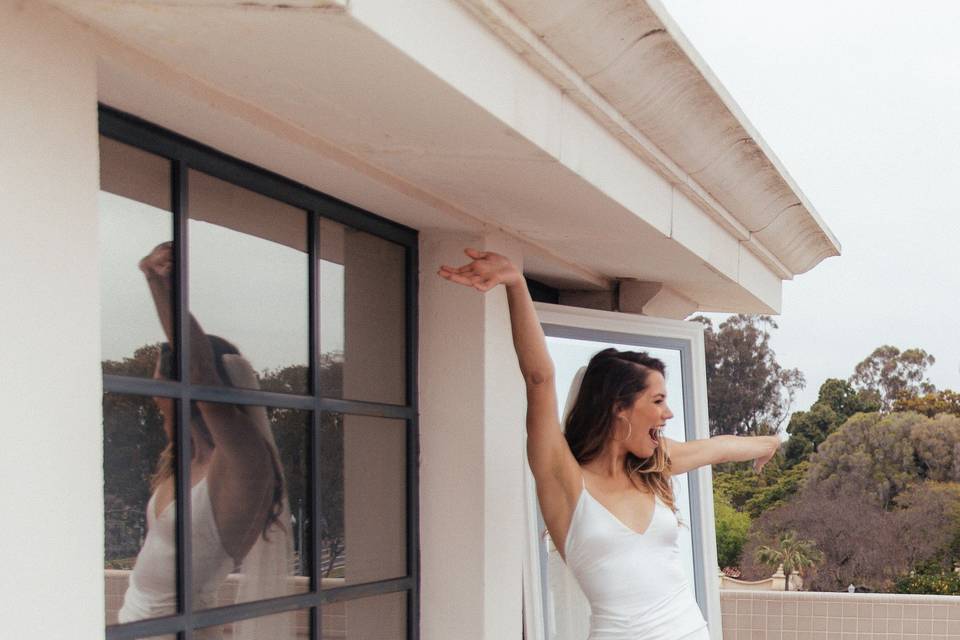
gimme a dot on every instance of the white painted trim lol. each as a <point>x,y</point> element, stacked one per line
<point>519,36</point>
<point>533,616</point>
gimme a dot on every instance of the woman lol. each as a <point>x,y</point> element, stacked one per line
<point>239,513</point>
<point>604,484</point>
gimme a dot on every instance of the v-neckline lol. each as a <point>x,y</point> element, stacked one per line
<point>162,512</point>
<point>653,513</point>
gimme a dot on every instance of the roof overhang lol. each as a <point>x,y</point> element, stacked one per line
<point>606,162</point>
<point>630,66</point>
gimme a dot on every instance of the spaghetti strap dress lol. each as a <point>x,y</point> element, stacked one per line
<point>634,581</point>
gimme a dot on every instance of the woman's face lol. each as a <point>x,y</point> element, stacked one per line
<point>648,416</point>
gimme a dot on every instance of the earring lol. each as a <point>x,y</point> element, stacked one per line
<point>629,430</point>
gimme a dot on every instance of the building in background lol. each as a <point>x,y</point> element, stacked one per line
<point>317,161</point>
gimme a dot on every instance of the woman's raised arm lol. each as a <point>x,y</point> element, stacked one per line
<point>554,467</point>
<point>241,476</point>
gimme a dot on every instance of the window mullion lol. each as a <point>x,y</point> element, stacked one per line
<point>413,445</point>
<point>313,255</point>
<point>182,339</point>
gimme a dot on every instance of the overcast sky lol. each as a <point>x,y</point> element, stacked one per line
<point>861,103</point>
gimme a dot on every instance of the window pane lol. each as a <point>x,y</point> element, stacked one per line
<point>135,218</point>
<point>248,277</point>
<point>362,322</point>
<point>375,618</point>
<point>250,532</point>
<point>363,490</point>
<point>139,522</point>
<point>290,625</point>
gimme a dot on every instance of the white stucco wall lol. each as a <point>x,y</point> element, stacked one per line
<point>472,412</point>
<point>51,547</point>
<point>472,416</point>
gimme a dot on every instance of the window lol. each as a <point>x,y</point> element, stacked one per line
<point>259,404</point>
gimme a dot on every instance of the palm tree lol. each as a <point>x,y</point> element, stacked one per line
<point>795,555</point>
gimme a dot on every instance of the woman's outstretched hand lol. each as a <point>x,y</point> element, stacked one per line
<point>486,271</point>
<point>760,461</point>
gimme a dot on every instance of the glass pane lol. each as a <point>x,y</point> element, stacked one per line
<point>250,528</point>
<point>140,551</point>
<point>248,278</point>
<point>363,491</point>
<point>289,625</point>
<point>135,218</point>
<point>569,614</point>
<point>374,618</point>
<point>362,322</point>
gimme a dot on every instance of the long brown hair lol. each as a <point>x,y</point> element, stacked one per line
<point>166,461</point>
<point>611,383</point>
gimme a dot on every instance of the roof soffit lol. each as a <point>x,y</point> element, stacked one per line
<point>637,62</point>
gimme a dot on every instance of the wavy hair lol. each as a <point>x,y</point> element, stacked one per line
<point>611,383</point>
<point>165,463</point>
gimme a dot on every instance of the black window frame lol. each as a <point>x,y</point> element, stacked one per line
<point>185,154</point>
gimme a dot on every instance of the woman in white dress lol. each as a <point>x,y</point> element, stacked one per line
<point>603,482</point>
<point>240,517</point>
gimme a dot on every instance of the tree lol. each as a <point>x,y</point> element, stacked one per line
<point>881,455</point>
<point>930,404</point>
<point>836,402</point>
<point>861,542</point>
<point>888,374</point>
<point>871,453</point>
<point>133,438</point>
<point>845,401</point>
<point>749,393</point>
<point>881,497</point>
<point>936,443</point>
<point>732,527</point>
<point>788,483</point>
<point>794,554</point>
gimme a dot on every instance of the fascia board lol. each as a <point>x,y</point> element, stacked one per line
<point>782,253</point>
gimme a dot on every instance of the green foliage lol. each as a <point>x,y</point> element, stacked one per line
<point>880,455</point>
<point>862,542</point>
<point>888,374</point>
<point>749,393</point>
<point>736,486</point>
<point>870,453</point>
<point>753,494</point>
<point>845,401</point>
<point>793,553</point>
<point>930,404</point>
<point>778,493</point>
<point>837,401</point>
<point>732,527</point>
<point>936,507</point>
<point>929,578</point>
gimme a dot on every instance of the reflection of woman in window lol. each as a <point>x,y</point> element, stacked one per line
<point>239,512</point>
<point>603,483</point>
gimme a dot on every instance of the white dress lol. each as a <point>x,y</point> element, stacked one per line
<point>152,588</point>
<point>635,582</point>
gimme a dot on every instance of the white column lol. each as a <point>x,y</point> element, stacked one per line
<point>471,421</point>
<point>51,544</point>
